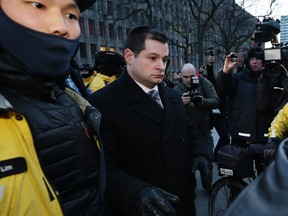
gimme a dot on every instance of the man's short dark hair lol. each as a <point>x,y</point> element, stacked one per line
<point>138,35</point>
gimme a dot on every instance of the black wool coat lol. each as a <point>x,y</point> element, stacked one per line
<point>144,144</point>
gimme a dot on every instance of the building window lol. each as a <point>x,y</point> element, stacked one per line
<point>83,50</point>
<point>109,7</point>
<point>111,31</point>
<point>81,24</point>
<point>93,50</point>
<point>100,6</point>
<point>101,29</point>
<point>120,33</point>
<point>91,27</point>
<point>127,31</point>
<point>119,11</point>
<point>102,48</point>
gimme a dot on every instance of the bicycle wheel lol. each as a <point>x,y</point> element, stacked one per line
<point>224,191</point>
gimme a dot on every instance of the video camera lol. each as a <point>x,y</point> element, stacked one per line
<point>209,51</point>
<point>275,59</point>
<point>266,30</point>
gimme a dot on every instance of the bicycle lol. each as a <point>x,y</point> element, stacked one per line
<point>237,169</point>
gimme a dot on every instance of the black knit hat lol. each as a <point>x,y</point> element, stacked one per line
<point>84,4</point>
<point>256,52</point>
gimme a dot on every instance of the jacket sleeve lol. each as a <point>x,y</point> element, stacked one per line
<point>264,101</point>
<point>210,100</point>
<point>279,126</point>
<point>226,84</point>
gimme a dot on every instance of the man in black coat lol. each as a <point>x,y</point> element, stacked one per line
<point>145,142</point>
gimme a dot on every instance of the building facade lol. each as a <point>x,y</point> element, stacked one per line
<point>106,23</point>
<point>284,29</point>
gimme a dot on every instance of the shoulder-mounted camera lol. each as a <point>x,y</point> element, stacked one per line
<point>275,59</point>
<point>266,29</point>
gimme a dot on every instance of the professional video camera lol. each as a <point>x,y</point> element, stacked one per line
<point>266,30</point>
<point>210,51</point>
<point>275,59</point>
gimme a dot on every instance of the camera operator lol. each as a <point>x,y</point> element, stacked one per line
<point>248,123</point>
<point>218,117</point>
<point>199,96</point>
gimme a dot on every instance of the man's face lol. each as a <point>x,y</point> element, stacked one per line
<point>148,67</point>
<point>255,64</point>
<point>186,77</point>
<point>57,17</point>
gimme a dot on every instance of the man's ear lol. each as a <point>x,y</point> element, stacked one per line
<point>128,55</point>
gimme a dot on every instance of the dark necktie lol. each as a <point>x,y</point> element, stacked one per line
<point>155,96</point>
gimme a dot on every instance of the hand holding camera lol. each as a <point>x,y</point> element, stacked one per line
<point>196,97</point>
<point>192,96</point>
<point>229,64</point>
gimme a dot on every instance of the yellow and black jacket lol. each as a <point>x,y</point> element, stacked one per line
<point>49,160</point>
<point>279,126</point>
<point>99,81</point>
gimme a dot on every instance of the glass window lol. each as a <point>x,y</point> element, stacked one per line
<point>91,24</point>
<point>109,7</point>
<point>111,31</point>
<point>102,48</point>
<point>101,29</point>
<point>93,50</point>
<point>83,50</point>
<point>81,24</point>
<point>120,33</point>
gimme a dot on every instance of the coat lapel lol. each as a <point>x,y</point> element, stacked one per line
<point>171,105</point>
<point>138,100</point>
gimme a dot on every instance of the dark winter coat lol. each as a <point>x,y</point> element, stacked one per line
<point>144,144</point>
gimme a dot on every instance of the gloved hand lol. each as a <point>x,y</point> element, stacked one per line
<point>151,201</point>
<point>202,164</point>
<point>269,151</point>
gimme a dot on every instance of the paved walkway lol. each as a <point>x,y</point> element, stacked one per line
<point>201,201</point>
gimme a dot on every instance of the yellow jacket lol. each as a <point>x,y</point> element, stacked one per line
<point>100,81</point>
<point>88,80</point>
<point>279,126</point>
<point>22,192</point>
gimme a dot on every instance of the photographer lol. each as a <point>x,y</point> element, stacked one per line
<point>248,123</point>
<point>218,120</point>
<point>199,97</point>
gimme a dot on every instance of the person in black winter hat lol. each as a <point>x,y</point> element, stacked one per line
<point>250,113</point>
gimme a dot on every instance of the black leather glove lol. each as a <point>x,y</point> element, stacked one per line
<point>204,166</point>
<point>269,151</point>
<point>151,201</point>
